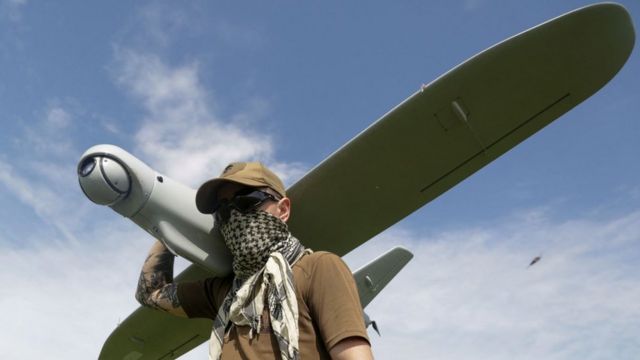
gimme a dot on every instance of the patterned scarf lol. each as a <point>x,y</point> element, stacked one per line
<point>263,251</point>
<point>253,236</point>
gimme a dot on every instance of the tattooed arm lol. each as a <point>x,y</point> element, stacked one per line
<point>156,288</point>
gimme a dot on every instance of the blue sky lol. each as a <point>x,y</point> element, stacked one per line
<point>190,86</point>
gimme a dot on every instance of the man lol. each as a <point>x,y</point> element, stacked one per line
<point>282,301</point>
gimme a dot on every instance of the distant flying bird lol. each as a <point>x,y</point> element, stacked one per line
<point>535,260</point>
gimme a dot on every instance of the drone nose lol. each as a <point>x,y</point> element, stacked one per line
<point>103,180</point>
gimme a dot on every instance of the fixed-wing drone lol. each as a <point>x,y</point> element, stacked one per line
<point>433,140</point>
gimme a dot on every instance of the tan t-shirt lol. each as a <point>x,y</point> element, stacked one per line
<point>329,310</point>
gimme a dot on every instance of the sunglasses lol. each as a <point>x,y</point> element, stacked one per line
<point>243,201</point>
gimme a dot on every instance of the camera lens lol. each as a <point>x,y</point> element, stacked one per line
<point>87,166</point>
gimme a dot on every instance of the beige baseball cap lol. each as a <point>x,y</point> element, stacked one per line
<point>246,173</point>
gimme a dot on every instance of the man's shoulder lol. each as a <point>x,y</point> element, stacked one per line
<point>318,260</point>
<point>318,256</point>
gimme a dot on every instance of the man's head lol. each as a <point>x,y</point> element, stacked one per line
<point>251,180</point>
<point>250,235</point>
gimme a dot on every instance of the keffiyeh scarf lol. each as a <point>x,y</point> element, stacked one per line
<point>263,251</point>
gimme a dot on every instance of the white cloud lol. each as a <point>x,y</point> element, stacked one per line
<point>41,171</point>
<point>12,9</point>
<point>49,135</point>
<point>161,25</point>
<point>162,21</point>
<point>111,127</point>
<point>58,117</point>
<point>468,294</point>
<point>181,134</point>
<point>52,206</point>
<point>65,300</point>
<point>289,172</point>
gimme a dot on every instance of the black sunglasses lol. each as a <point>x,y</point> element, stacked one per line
<point>243,201</point>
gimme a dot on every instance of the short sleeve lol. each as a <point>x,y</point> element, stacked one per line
<point>333,300</point>
<point>201,298</point>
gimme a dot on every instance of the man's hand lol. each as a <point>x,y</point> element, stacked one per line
<point>351,349</point>
<point>156,288</point>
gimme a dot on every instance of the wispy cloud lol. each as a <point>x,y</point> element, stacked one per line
<point>158,25</point>
<point>58,117</point>
<point>67,299</point>
<point>48,204</point>
<point>161,22</point>
<point>41,170</point>
<point>181,133</point>
<point>469,294</point>
<point>12,9</point>
<point>50,134</point>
